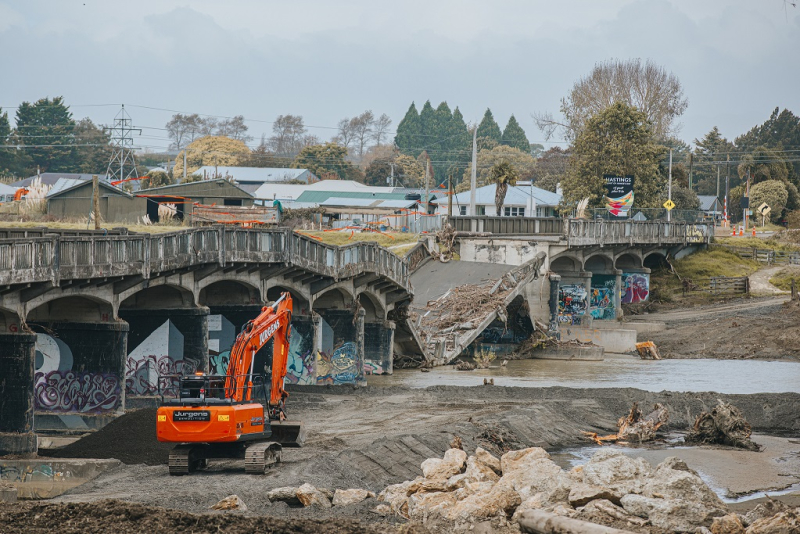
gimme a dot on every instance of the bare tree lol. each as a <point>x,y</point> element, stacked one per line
<point>207,126</point>
<point>235,128</point>
<point>644,85</point>
<point>182,130</point>
<point>380,129</point>
<point>346,135</point>
<point>363,128</point>
<point>288,131</point>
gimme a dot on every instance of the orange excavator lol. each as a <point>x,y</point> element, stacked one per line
<point>219,416</point>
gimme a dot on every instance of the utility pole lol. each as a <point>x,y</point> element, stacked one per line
<point>391,165</point>
<point>691,168</point>
<point>450,195</point>
<point>184,164</point>
<point>669,191</point>
<point>747,195</point>
<point>122,142</point>
<point>426,186</point>
<point>474,175</point>
<point>727,185</point>
<point>96,201</point>
<point>716,199</point>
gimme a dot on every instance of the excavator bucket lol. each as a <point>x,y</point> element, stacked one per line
<point>288,433</point>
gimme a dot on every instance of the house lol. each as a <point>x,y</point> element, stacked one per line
<point>7,193</point>
<point>257,175</point>
<point>710,206</point>
<point>218,192</point>
<point>521,200</point>
<point>71,198</point>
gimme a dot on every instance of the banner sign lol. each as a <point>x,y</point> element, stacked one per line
<point>619,194</point>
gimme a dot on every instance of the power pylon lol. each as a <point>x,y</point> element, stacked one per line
<point>122,165</point>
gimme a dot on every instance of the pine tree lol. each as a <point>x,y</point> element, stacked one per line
<point>427,121</point>
<point>8,159</point>
<point>460,147</point>
<point>489,129</point>
<point>514,136</point>
<point>713,147</point>
<point>408,131</point>
<point>47,126</point>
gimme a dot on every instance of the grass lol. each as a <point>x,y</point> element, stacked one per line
<point>66,225</point>
<point>756,242</point>
<point>348,237</point>
<point>783,279</point>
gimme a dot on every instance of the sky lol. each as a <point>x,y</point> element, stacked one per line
<point>325,60</point>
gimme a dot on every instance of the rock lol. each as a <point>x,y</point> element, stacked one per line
<point>564,511</point>
<point>486,458</point>
<point>350,496</point>
<point>537,502</point>
<point>451,464</point>
<point>427,485</point>
<point>670,514</point>
<point>673,479</point>
<point>471,488</point>
<point>383,509</point>
<point>456,482</point>
<point>783,523</point>
<point>499,501</point>
<point>727,524</point>
<point>327,492</point>
<point>514,460</point>
<point>535,473</point>
<point>599,510</point>
<point>477,471</point>
<point>612,469</point>
<point>311,496</point>
<point>396,496</point>
<point>421,506</point>
<point>581,494</point>
<point>287,494</point>
<point>231,502</point>
<point>764,509</point>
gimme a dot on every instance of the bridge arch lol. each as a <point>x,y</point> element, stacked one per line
<point>598,263</point>
<point>334,298</point>
<point>163,296</point>
<point>9,321</point>
<point>566,263</point>
<point>300,301</point>
<point>70,309</point>
<point>654,260</point>
<point>373,308</point>
<point>229,293</point>
<point>628,260</point>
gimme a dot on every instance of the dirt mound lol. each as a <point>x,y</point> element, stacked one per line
<point>123,518</point>
<point>130,438</point>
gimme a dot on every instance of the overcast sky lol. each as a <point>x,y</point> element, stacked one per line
<point>325,60</point>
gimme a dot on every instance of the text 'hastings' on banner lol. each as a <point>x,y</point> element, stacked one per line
<point>619,194</point>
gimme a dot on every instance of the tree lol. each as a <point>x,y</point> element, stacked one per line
<point>235,128</point>
<point>537,149</point>
<point>9,160</point>
<point>658,94</point>
<point>263,156</point>
<point>710,150</point>
<point>380,130</point>
<point>288,133</point>
<point>326,161</point>
<point>502,174</point>
<point>96,149</point>
<point>616,141</point>
<point>211,150</point>
<point>684,198</point>
<point>156,179</point>
<point>182,130</point>
<point>551,168</point>
<point>407,171</point>
<point>771,192</point>
<point>764,164</point>
<point>514,136</point>
<point>523,164</point>
<point>362,127</point>
<point>488,129</point>
<point>47,129</point>
<point>408,131</point>
<point>780,132</point>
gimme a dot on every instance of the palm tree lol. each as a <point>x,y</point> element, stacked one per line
<point>503,174</point>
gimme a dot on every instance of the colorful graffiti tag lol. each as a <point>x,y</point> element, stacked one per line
<point>156,362</point>
<point>57,388</point>
<point>340,367</point>
<point>300,366</point>
<point>635,287</point>
<point>601,303</point>
<point>572,300</point>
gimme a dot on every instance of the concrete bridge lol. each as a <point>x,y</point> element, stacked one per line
<point>87,318</point>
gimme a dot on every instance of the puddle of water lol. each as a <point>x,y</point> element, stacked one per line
<point>722,376</point>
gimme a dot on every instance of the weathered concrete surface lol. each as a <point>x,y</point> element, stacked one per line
<point>434,279</point>
<point>45,479</point>
<point>617,340</point>
<point>570,352</point>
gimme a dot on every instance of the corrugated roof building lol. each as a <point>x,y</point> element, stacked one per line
<point>256,175</point>
<point>521,200</point>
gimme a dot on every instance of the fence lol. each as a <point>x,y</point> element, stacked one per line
<point>769,256</point>
<point>717,285</point>
<point>652,214</point>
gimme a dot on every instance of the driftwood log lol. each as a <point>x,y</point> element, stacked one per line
<point>724,425</point>
<point>541,522</point>
<point>635,426</point>
<point>647,350</point>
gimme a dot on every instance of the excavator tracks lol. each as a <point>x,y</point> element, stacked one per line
<point>260,456</point>
<point>183,460</point>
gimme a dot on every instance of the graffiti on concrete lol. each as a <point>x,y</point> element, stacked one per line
<point>572,300</point>
<point>218,363</point>
<point>635,287</point>
<point>601,303</point>
<point>300,365</point>
<point>65,391</point>
<point>221,336</point>
<point>373,368</point>
<point>342,366</point>
<point>57,388</point>
<point>159,355</point>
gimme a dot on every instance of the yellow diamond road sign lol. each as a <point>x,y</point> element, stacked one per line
<point>669,205</point>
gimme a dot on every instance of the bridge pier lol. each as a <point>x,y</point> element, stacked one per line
<point>80,373</point>
<point>378,348</point>
<point>17,355</point>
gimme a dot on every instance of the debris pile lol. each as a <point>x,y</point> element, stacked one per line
<point>647,350</point>
<point>308,495</point>
<point>444,246</point>
<point>635,426</point>
<point>724,425</point>
<point>458,491</point>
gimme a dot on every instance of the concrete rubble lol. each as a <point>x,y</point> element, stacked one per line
<point>459,490</point>
<point>308,495</point>
<point>231,502</point>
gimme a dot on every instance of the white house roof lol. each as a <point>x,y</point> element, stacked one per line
<point>368,203</point>
<point>283,191</point>
<point>255,174</point>
<point>519,195</point>
<point>7,189</point>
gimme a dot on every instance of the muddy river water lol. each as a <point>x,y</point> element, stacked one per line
<point>615,371</point>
